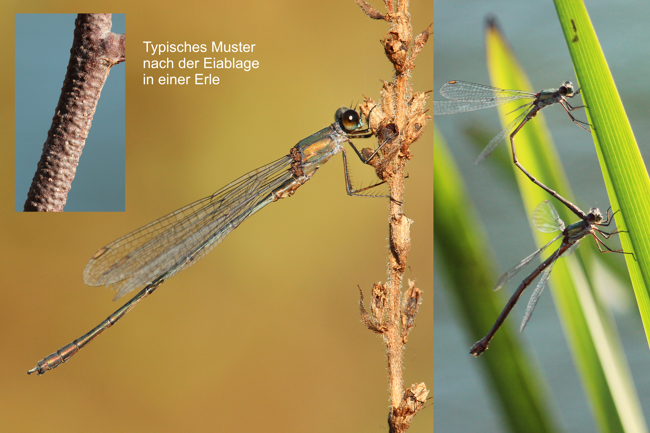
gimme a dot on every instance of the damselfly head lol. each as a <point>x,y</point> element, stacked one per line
<point>348,119</point>
<point>566,89</point>
<point>594,216</point>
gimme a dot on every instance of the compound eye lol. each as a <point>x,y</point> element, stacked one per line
<point>594,215</point>
<point>339,114</point>
<point>350,121</point>
<point>566,89</point>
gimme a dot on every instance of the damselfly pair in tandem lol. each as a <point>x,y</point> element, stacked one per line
<point>463,97</point>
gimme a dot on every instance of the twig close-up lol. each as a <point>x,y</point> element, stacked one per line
<point>94,52</point>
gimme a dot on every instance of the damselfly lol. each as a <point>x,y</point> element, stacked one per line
<point>153,253</point>
<point>464,96</point>
<point>546,220</point>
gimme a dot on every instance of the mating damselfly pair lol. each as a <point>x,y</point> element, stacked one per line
<point>464,97</point>
<point>151,254</point>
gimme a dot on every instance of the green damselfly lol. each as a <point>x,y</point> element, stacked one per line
<point>151,254</point>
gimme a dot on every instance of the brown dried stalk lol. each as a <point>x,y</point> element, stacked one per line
<point>398,121</point>
<point>94,51</point>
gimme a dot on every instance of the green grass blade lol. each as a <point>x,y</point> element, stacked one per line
<point>623,168</point>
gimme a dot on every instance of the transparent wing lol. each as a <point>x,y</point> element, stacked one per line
<point>512,272</point>
<point>473,92</point>
<point>453,107</point>
<point>500,137</point>
<point>538,291</point>
<point>178,240</point>
<point>546,218</point>
<point>462,106</point>
<point>466,96</point>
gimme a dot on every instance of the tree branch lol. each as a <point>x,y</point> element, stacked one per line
<point>94,51</point>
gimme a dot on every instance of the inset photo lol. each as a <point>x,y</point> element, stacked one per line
<point>69,113</point>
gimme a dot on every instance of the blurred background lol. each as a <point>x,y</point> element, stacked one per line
<point>43,44</point>
<point>264,333</point>
<point>461,394</point>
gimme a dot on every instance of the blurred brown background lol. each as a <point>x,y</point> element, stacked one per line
<point>263,334</point>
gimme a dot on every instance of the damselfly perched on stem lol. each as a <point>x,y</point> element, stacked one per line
<point>546,220</point>
<point>464,96</point>
<point>153,253</point>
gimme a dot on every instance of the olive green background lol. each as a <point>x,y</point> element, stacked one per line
<point>263,334</point>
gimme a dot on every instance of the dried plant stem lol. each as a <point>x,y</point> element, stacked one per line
<point>398,121</point>
<point>94,51</point>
